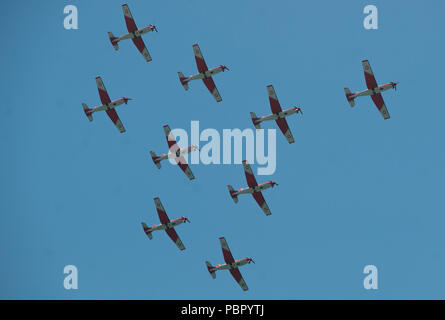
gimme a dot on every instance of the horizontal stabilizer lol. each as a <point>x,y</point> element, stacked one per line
<point>255,120</point>
<point>210,268</point>
<point>147,230</point>
<point>114,41</point>
<point>349,96</point>
<point>183,80</point>
<point>232,191</point>
<point>155,159</point>
<point>88,112</point>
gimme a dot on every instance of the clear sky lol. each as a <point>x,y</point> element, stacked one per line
<point>354,189</point>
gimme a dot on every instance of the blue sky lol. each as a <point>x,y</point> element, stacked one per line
<point>353,189</point>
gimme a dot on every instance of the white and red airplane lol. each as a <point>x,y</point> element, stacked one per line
<point>278,115</point>
<point>174,152</point>
<point>204,73</point>
<point>134,34</point>
<point>254,189</point>
<point>231,264</point>
<point>166,224</point>
<point>374,90</point>
<point>107,106</point>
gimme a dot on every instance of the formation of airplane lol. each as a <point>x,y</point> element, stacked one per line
<point>278,114</point>
<point>374,90</point>
<point>254,189</point>
<point>231,264</point>
<point>174,152</point>
<point>204,73</point>
<point>134,34</point>
<point>107,105</point>
<point>166,224</point>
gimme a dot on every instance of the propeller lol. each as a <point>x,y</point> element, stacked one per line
<point>395,85</point>
<point>186,220</point>
<point>126,100</point>
<point>225,68</point>
<point>251,260</point>
<point>299,110</point>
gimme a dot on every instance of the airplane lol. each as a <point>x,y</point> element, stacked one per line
<point>278,115</point>
<point>374,90</point>
<point>204,73</point>
<point>231,264</point>
<point>254,189</point>
<point>166,224</point>
<point>134,34</point>
<point>175,152</point>
<point>107,105</point>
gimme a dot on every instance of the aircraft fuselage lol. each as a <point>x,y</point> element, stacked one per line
<point>258,188</point>
<point>135,34</point>
<point>370,92</point>
<point>171,224</point>
<point>177,154</point>
<point>234,265</point>
<point>205,75</point>
<point>279,115</point>
<point>109,106</point>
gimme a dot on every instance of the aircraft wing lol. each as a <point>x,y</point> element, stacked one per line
<point>139,43</point>
<point>161,211</point>
<point>171,140</point>
<point>369,75</point>
<point>274,104</point>
<point>258,196</point>
<point>173,146</point>
<point>282,124</point>
<point>251,181</point>
<point>210,84</point>
<point>200,62</point>
<point>185,167</point>
<point>228,258</point>
<point>175,238</point>
<point>378,100</point>
<point>129,21</point>
<point>239,278</point>
<point>115,118</point>
<point>131,27</point>
<point>103,94</point>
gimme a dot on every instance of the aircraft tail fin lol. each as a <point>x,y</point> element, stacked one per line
<point>147,230</point>
<point>88,112</point>
<point>232,191</point>
<point>183,80</point>
<point>255,120</point>
<point>155,159</point>
<point>114,41</point>
<point>211,269</point>
<point>350,97</point>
